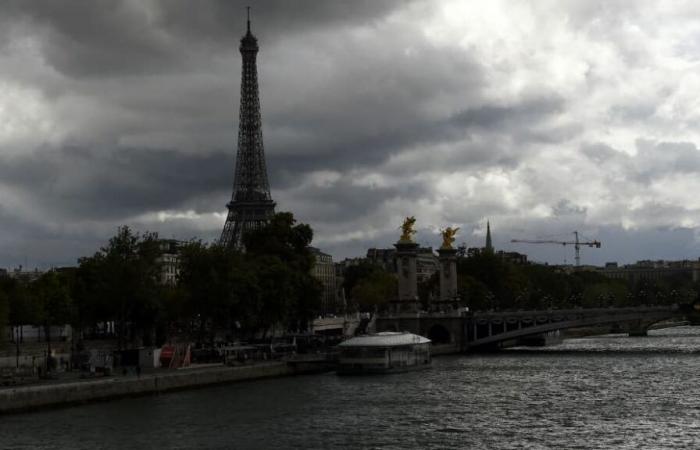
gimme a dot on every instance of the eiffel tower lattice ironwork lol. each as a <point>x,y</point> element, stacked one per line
<point>251,205</point>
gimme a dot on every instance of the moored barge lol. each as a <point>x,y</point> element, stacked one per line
<point>388,352</point>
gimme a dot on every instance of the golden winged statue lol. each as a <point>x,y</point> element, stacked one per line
<point>448,237</point>
<point>407,230</point>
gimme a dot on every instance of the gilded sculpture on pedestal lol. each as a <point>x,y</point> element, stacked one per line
<point>407,230</point>
<point>448,237</point>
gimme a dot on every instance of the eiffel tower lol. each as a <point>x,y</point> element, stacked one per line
<point>251,205</point>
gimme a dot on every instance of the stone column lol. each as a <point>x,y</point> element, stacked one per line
<point>448,274</point>
<point>406,254</point>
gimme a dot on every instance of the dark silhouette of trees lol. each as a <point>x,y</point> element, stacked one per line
<point>211,281</point>
<point>280,254</point>
<point>120,283</point>
<point>493,283</point>
<point>268,286</point>
<point>373,292</point>
<point>353,274</point>
<point>53,305</point>
<point>489,282</point>
<point>4,316</point>
<point>369,287</point>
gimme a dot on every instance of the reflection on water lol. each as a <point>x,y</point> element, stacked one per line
<point>600,392</point>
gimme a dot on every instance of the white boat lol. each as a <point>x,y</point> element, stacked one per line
<point>387,352</point>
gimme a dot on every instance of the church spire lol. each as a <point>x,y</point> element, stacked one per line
<point>489,244</point>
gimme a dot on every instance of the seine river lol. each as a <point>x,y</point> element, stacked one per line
<point>603,392</point>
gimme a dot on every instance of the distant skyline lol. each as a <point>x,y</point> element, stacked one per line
<point>543,117</point>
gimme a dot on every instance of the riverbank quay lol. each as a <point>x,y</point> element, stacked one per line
<point>56,394</point>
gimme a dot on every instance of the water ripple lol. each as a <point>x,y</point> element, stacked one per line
<point>602,392</point>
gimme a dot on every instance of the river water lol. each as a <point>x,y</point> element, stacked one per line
<point>603,392</point>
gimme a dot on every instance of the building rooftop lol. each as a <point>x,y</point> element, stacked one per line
<point>317,251</point>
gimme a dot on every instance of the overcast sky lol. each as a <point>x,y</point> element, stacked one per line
<point>544,117</point>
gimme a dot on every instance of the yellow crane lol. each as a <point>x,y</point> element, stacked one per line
<point>576,243</point>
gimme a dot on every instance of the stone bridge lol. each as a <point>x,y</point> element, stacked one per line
<point>460,331</point>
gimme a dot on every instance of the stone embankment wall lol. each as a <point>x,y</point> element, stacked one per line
<point>34,397</point>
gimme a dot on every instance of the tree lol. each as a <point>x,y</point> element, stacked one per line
<point>354,274</point>
<point>281,254</point>
<point>283,238</point>
<point>51,294</point>
<point>370,286</point>
<point>122,281</point>
<point>474,294</point>
<point>374,291</point>
<point>505,282</point>
<point>4,315</point>
<point>215,282</point>
<point>547,287</point>
<point>268,285</point>
<point>22,310</point>
<point>172,304</point>
<point>92,304</point>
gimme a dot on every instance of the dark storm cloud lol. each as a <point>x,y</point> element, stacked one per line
<point>623,245</point>
<point>652,162</point>
<point>495,117</point>
<point>99,37</point>
<point>537,115</point>
<point>116,183</point>
<point>212,20</point>
<point>334,150</point>
<point>345,200</point>
<point>109,38</point>
<point>658,159</point>
<point>599,153</point>
<point>33,244</point>
<point>373,108</point>
<point>566,208</point>
<point>145,93</point>
<point>640,111</point>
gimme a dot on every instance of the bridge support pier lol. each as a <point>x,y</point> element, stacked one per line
<point>448,277</point>
<point>638,328</point>
<point>406,255</point>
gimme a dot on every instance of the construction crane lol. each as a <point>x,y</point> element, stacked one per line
<point>576,243</point>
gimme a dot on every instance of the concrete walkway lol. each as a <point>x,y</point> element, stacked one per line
<point>76,391</point>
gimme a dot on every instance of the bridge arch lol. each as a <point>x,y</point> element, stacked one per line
<point>486,328</point>
<point>439,334</point>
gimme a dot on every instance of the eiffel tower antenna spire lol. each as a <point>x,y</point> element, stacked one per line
<point>489,243</point>
<point>251,204</point>
<point>248,12</point>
